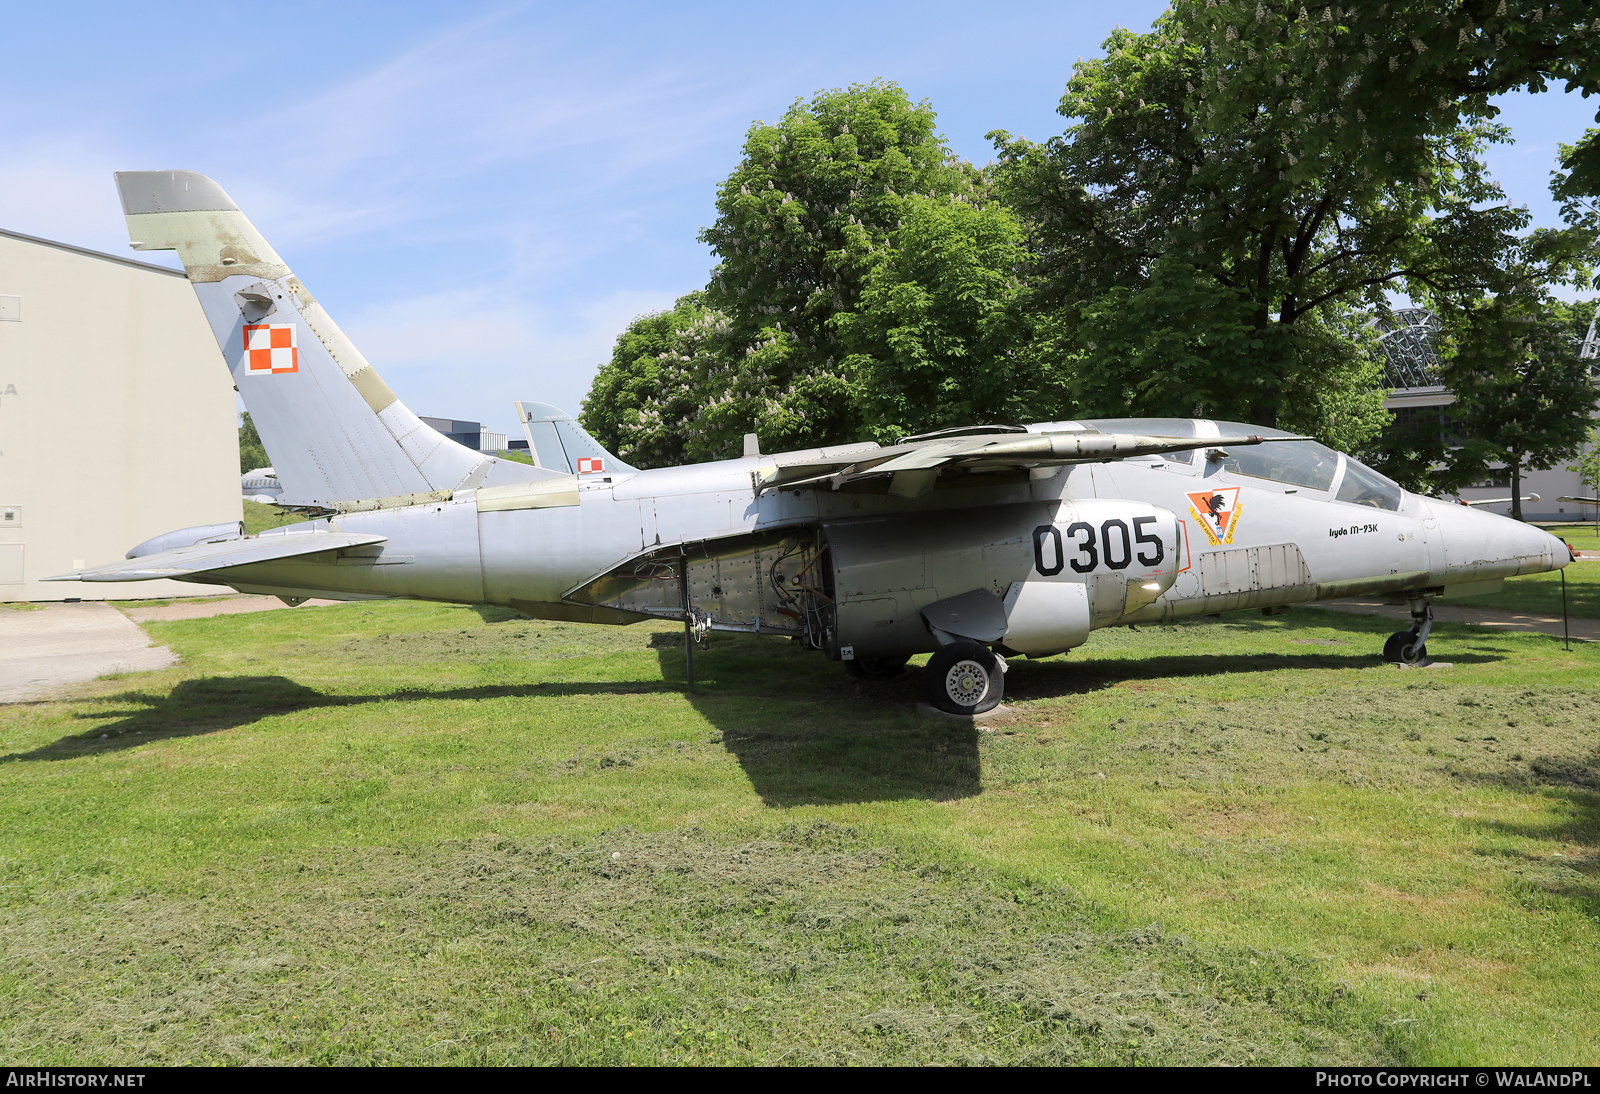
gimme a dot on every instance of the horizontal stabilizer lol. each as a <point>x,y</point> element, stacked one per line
<point>184,562</point>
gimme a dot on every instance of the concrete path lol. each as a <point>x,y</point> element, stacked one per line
<point>1587,630</point>
<point>58,644</point>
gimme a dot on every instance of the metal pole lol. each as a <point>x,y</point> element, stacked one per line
<point>688,623</point>
<point>688,650</point>
<point>1566,638</point>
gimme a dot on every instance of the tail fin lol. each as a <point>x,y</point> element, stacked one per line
<point>335,431</point>
<point>559,443</point>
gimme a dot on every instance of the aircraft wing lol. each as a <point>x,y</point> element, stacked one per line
<point>913,467</point>
<point>181,562</point>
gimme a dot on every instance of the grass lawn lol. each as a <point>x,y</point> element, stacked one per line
<point>1582,535</point>
<point>411,833</point>
<point>1542,593</point>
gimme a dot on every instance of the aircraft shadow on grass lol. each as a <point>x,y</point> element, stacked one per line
<point>214,704</point>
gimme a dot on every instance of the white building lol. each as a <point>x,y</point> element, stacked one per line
<point>120,351</point>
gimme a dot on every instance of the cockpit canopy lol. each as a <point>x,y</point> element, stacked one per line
<point>1306,465</point>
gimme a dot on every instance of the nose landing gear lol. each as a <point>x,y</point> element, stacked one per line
<point>1410,647</point>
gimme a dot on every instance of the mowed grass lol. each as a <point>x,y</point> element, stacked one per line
<point>400,832</point>
<point>1541,593</point>
<point>1583,535</point>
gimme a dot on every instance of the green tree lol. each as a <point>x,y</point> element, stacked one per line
<point>646,403</point>
<point>1588,469</point>
<point>252,453</point>
<point>1201,253</point>
<point>939,336</point>
<point>866,285</point>
<point>802,222</point>
<point>1523,395</point>
<point>1583,317</point>
<point>1379,82</point>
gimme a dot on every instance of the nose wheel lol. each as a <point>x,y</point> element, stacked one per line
<point>1411,647</point>
<point>1404,648</point>
<point>964,678</point>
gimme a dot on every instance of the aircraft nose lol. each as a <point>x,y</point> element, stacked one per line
<point>1481,546</point>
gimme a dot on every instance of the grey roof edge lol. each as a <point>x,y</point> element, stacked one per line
<point>134,262</point>
<point>171,192</point>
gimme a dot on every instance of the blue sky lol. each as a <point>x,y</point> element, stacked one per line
<point>484,194</point>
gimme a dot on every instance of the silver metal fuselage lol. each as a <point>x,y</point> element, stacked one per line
<point>1282,544</point>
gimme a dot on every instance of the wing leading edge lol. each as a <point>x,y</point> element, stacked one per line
<point>913,467</point>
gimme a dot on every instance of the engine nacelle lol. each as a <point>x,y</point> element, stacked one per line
<point>1048,574</point>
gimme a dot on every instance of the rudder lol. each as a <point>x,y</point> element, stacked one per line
<point>335,431</point>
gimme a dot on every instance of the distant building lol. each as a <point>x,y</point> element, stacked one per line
<point>1411,370</point>
<point>471,434</point>
<point>121,349</point>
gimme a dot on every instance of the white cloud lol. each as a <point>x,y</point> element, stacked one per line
<point>469,353</point>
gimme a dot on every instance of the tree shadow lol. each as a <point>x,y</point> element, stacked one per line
<point>1056,677</point>
<point>214,704</point>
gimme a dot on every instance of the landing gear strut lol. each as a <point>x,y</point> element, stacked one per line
<point>1410,647</point>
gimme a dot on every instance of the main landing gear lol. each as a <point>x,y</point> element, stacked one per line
<point>1410,647</point>
<point>964,677</point>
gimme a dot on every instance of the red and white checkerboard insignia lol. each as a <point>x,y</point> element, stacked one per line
<point>588,466</point>
<point>271,348</point>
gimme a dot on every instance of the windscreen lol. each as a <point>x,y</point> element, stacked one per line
<point>1364,486</point>
<point>1304,464</point>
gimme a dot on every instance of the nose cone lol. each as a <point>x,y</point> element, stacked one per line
<point>1480,546</point>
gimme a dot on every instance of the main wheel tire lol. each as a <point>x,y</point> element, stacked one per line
<point>1403,648</point>
<point>964,678</point>
<point>876,668</point>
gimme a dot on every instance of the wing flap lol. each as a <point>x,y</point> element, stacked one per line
<point>188,561</point>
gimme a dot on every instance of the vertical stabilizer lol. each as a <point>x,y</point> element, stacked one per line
<point>559,443</point>
<point>335,431</point>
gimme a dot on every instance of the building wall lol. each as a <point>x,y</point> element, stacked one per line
<point>117,418</point>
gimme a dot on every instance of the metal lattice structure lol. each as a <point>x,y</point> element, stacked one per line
<point>1407,336</point>
<point>1591,345</point>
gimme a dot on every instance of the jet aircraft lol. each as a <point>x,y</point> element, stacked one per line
<point>973,545</point>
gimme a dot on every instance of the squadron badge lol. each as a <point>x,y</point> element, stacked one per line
<point>1218,513</point>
